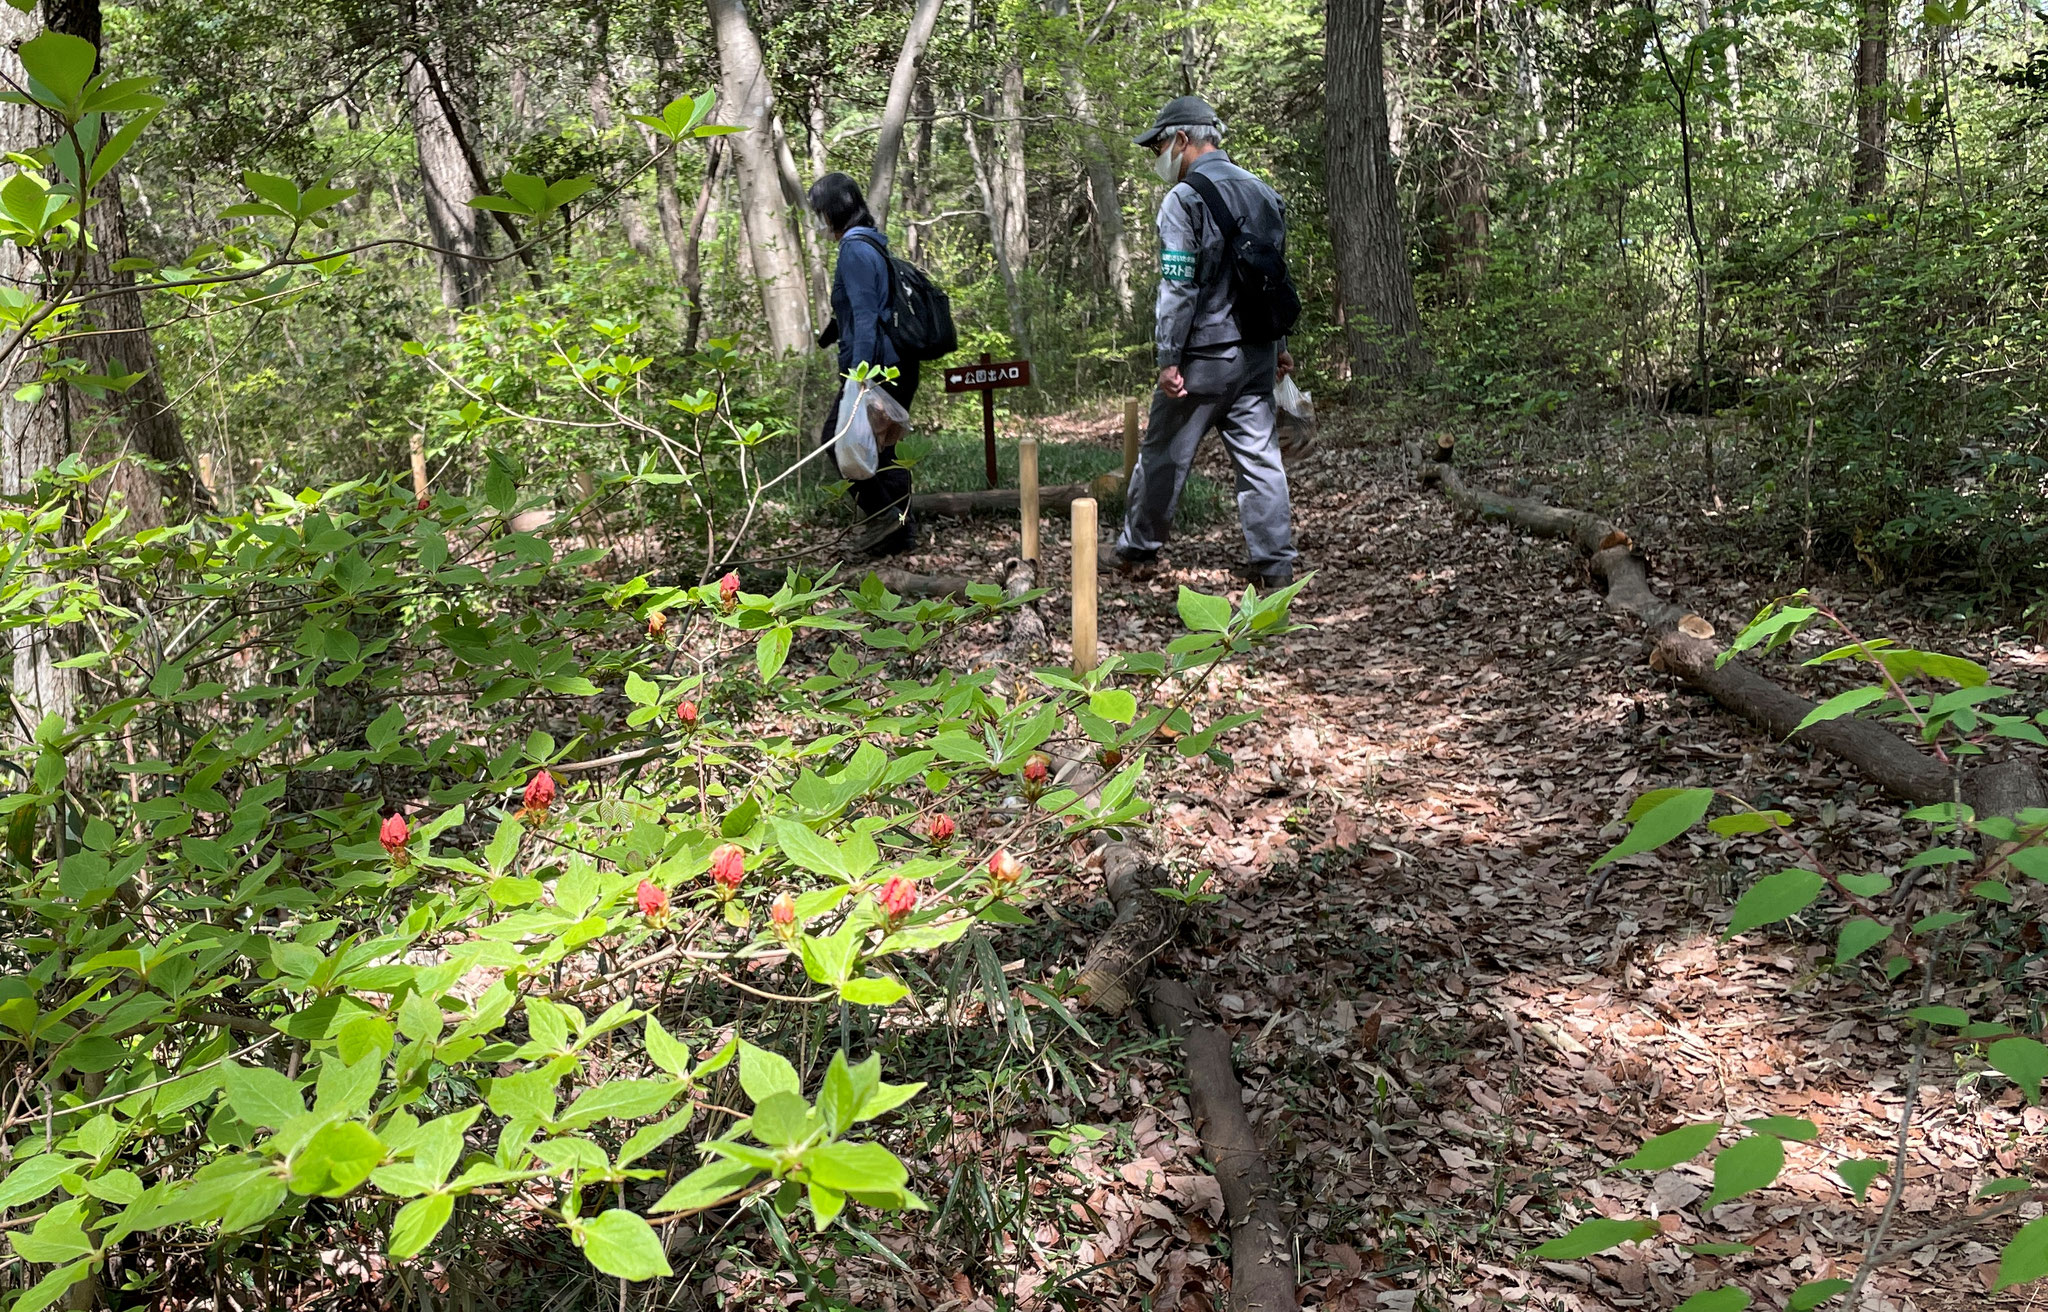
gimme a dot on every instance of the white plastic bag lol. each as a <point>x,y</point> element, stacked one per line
<point>1294,419</point>
<point>865,412</point>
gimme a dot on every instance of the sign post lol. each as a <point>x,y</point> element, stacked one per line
<point>985,377</point>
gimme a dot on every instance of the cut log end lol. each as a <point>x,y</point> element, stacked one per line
<point>1695,627</point>
<point>1617,538</point>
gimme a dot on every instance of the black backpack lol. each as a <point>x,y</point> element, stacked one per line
<point>920,313</point>
<point>1266,303</point>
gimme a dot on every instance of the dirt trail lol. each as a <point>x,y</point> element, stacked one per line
<point>1443,1042</point>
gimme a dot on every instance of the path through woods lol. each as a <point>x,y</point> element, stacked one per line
<point>1441,1042</point>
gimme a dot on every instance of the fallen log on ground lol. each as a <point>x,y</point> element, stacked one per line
<point>1004,499</point>
<point>906,584</point>
<point>1145,923</point>
<point>1261,1251</point>
<point>1027,643</point>
<point>1682,645</point>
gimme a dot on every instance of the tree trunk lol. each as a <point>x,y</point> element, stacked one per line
<point>692,274</point>
<point>987,180</point>
<point>1373,278</point>
<point>446,187</point>
<point>896,109</point>
<point>1873,108</point>
<point>630,223</point>
<point>917,186</point>
<point>748,102</point>
<point>1011,181</point>
<point>1108,200</point>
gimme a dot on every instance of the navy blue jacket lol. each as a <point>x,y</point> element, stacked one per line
<point>860,299</point>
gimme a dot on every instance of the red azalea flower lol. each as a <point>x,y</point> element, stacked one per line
<point>657,624</point>
<point>395,834</point>
<point>1004,869</point>
<point>1037,769</point>
<point>729,590</point>
<point>728,869</point>
<point>940,829</point>
<point>540,793</point>
<point>653,901</point>
<point>782,918</point>
<point>899,898</point>
<point>686,714</point>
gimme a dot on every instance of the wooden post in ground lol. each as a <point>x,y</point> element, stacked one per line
<point>419,464</point>
<point>1084,584</point>
<point>1027,496</point>
<point>1130,441</point>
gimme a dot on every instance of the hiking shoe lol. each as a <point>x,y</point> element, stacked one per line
<point>1268,579</point>
<point>1130,565</point>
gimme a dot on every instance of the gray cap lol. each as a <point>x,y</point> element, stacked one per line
<point>1180,112</point>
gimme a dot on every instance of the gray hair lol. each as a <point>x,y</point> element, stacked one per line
<point>1201,133</point>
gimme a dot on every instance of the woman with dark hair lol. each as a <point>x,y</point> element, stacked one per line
<point>862,286</point>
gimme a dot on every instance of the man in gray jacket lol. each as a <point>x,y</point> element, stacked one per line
<point>1209,376</point>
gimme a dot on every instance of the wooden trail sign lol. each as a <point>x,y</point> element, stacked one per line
<point>984,378</point>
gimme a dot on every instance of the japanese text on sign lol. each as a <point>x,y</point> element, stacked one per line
<point>979,377</point>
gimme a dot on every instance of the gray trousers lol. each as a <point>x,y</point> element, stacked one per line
<point>1230,389</point>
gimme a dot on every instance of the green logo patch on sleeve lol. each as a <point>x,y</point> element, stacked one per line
<point>1177,266</point>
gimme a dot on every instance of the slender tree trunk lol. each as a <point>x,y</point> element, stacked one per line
<point>1100,167</point>
<point>816,130</point>
<point>896,109</point>
<point>1873,107</point>
<point>668,205</point>
<point>1373,277</point>
<point>808,240</point>
<point>630,223</point>
<point>1010,169</point>
<point>748,102</point>
<point>918,184</point>
<point>986,182</point>
<point>446,188</point>
<point>692,273</point>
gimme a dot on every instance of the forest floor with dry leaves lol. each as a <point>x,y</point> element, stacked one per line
<point>1445,1027</point>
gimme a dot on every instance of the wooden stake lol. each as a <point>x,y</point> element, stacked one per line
<point>419,464</point>
<point>1027,496</point>
<point>206,472</point>
<point>1084,585</point>
<point>1130,440</point>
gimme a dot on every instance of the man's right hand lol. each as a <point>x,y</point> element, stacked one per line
<point>1170,381</point>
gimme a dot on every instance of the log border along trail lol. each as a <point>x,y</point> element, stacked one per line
<point>1681,643</point>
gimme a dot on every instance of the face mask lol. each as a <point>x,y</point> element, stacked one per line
<point>1167,166</point>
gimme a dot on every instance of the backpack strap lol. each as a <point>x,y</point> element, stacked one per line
<point>1212,198</point>
<point>888,274</point>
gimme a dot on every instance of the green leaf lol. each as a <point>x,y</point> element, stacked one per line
<point>781,1120</point>
<point>1748,822</point>
<point>1203,613</point>
<point>418,1222</point>
<point>621,1243</point>
<point>1774,898</point>
<point>2009,1185</point>
<point>665,1050</point>
<point>1114,704</point>
<point>1858,1172</point>
<point>1725,1299</point>
<point>59,1282</point>
<point>771,650</point>
<point>35,1177</point>
<point>2026,1257</point>
<point>1938,1015</point>
<point>1669,1149</point>
<point>1815,1292</point>
<point>705,1186</point>
<point>2023,1061</point>
<point>1745,1167</point>
<point>1865,885</point>
<point>1857,937</point>
<point>1658,825</point>
<point>1794,1128</point>
<point>335,1160</point>
<point>764,1073</point>
<point>62,63</point>
<point>1841,704</point>
<point>855,1167</point>
<point>877,991</point>
<point>619,1100</point>
<point>808,850</point>
<point>260,1095</point>
<point>1596,1236</point>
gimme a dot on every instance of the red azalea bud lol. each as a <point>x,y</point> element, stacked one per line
<point>540,793</point>
<point>940,829</point>
<point>1037,769</point>
<point>728,869</point>
<point>784,911</point>
<point>728,590</point>
<point>1109,758</point>
<point>1003,868</point>
<point>657,624</point>
<point>653,901</point>
<point>686,714</point>
<point>899,898</point>
<point>424,499</point>
<point>395,834</point>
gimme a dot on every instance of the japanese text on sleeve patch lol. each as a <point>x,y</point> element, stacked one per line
<point>1177,266</point>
